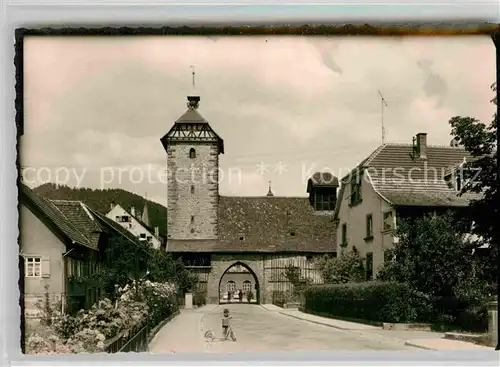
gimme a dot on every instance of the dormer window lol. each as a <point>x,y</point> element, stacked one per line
<point>324,201</point>
<point>322,189</point>
<point>192,153</point>
<point>463,178</point>
<point>123,219</point>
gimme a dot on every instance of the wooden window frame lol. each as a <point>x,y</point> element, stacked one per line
<point>355,197</point>
<point>343,241</point>
<point>247,284</point>
<point>369,227</point>
<point>31,260</point>
<point>385,217</point>
<point>324,202</point>
<point>233,283</point>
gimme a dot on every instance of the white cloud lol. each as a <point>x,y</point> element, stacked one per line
<point>107,101</point>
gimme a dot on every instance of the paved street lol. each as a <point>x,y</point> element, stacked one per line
<point>259,329</point>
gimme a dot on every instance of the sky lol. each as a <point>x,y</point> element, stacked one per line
<point>286,107</point>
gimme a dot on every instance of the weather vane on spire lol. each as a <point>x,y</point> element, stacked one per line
<point>193,98</point>
<point>193,72</point>
<point>270,192</point>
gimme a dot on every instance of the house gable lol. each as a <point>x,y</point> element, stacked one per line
<point>355,216</point>
<point>134,226</point>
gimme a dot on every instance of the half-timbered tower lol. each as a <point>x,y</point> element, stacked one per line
<point>239,243</point>
<point>193,149</point>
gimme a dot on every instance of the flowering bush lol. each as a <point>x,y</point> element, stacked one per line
<point>158,297</point>
<point>88,330</point>
<point>87,341</point>
<point>103,317</point>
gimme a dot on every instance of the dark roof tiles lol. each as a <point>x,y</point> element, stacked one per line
<point>404,180</point>
<point>80,216</point>
<point>319,179</point>
<point>266,224</point>
<point>56,216</point>
<point>192,116</point>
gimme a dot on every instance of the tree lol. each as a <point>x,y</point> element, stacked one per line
<point>293,275</point>
<point>346,268</point>
<point>127,261</point>
<point>431,255</point>
<point>480,140</point>
<point>434,257</point>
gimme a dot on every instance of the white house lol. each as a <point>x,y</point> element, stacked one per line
<point>138,226</point>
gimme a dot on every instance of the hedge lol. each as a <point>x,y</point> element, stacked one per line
<point>371,301</point>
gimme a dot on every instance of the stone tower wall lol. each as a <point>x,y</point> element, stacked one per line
<point>193,215</point>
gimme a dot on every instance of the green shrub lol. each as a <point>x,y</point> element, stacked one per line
<point>199,297</point>
<point>372,301</point>
<point>346,268</point>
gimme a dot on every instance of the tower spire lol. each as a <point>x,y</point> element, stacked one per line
<point>270,192</point>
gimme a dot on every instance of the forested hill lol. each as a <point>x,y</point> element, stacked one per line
<point>100,200</point>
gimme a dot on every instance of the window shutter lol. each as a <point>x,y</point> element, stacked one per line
<point>45,267</point>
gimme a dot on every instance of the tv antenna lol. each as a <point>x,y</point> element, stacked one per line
<point>193,72</point>
<point>383,104</point>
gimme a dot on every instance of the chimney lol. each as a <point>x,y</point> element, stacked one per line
<point>132,211</point>
<point>422,145</point>
<point>455,143</point>
<point>112,205</point>
<point>157,232</point>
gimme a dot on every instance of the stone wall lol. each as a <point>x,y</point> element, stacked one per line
<point>221,263</point>
<point>192,215</point>
<point>260,273</point>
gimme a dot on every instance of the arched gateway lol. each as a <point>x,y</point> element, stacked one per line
<point>261,234</point>
<point>238,279</point>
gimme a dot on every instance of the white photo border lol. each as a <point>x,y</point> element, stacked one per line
<point>155,13</point>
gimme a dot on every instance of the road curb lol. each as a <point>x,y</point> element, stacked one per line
<point>314,322</point>
<point>408,344</point>
<point>270,309</point>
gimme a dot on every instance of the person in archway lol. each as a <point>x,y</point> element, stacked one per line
<point>240,294</point>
